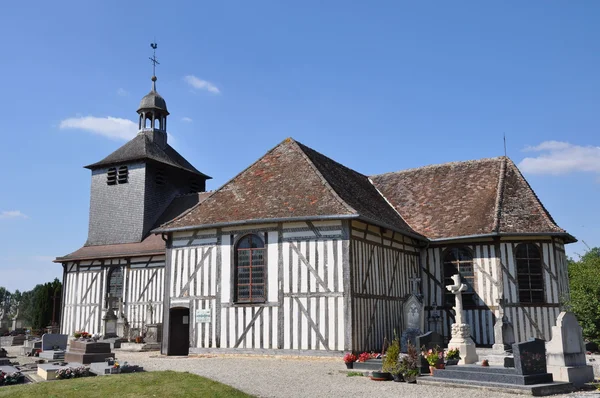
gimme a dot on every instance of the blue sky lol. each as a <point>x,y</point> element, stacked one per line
<point>378,86</point>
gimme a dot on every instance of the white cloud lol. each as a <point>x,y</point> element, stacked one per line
<point>201,84</point>
<point>111,127</point>
<point>12,214</point>
<point>558,157</point>
<point>186,119</point>
<point>122,92</point>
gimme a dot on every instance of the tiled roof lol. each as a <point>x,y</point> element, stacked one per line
<point>151,245</point>
<point>457,199</point>
<point>293,181</point>
<point>141,147</point>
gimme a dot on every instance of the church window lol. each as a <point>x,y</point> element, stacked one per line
<point>459,260</point>
<point>529,273</point>
<point>115,282</point>
<point>111,176</point>
<point>123,175</point>
<point>250,270</point>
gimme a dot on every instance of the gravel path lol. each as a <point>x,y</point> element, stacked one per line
<point>293,377</point>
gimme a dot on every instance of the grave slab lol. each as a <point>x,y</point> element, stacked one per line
<point>47,371</point>
<point>53,355</point>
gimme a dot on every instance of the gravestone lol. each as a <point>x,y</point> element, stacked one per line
<point>412,311</point>
<point>53,346</point>
<point>122,323</point>
<point>566,352</point>
<point>504,336</point>
<point>110,324</point>
<point>425,342</point>
<point>530,357</point>
<point>54,342</point>
<point>86,352</point>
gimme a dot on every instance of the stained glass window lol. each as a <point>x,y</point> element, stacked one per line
<point>250,269</point>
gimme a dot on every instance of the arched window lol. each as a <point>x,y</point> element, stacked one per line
<point>529,273</point>
<point>250,270</point>
<point>459,260</point>
<point>115,282</point>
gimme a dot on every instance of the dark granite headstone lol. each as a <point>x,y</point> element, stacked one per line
<point>530,357</point>
<point>425,342</point>
<point>86,352</point>
<point>591,347</point>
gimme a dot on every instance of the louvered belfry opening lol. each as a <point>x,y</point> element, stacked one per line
<point>123,175</point>
<point>111,176</point>
<point>159,178</point>
<point>250,270</point>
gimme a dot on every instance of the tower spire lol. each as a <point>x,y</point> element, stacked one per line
<point>154,63</point>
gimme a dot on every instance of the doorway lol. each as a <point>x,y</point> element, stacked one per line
<point>179,331</point>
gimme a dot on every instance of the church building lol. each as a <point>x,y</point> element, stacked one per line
<point>300,253</point>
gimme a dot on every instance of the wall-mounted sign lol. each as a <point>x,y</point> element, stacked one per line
<point>203,315</point>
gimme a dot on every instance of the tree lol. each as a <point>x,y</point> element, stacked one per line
<point>584,282</point>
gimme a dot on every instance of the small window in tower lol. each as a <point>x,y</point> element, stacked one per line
<point>123,175</point>
<point>111,176</point>
<point>159,179</point>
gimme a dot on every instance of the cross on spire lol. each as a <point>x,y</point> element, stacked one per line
<point>153,59</point>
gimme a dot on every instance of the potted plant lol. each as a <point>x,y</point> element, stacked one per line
<point>409,364</point>
<point>349,360</point>
<point>391,360</point>
<point>452,356</point>
<point>435,358</point>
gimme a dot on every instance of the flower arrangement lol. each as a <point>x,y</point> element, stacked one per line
<point>453,353</point>
<point>433,356</point>
<point>349,358</point>
<point>365,356</point>
<point>81,334</point>
<point>9,378</point>
<point>71,373</point>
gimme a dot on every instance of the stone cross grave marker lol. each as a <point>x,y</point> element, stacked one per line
<point>461,332</point>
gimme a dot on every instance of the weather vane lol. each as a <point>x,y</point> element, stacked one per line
<point>153,58</point>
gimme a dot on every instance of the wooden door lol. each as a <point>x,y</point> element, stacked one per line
<point>179,331</point>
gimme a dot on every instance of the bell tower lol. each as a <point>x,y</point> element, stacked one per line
<point>153,110</point>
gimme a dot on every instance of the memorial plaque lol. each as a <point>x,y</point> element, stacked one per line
<point>203,315</point>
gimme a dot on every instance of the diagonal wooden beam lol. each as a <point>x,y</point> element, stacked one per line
<point>368,273</point>
<point>147,284</point>
<point>199,265</point>
<point>248,327</point>
<point>310,267</point>
<point>312,324</point>
<point>89,287</point>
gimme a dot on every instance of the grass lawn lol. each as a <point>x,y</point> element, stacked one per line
<point>144,384</point>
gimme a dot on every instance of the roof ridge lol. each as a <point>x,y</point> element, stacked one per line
<point>499,195</point>
<point>549,220</point>
<point>393,207</point>
<point>326,183</point>
<point>433,166</point>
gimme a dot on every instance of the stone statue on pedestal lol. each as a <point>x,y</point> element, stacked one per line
<point>461,332</point>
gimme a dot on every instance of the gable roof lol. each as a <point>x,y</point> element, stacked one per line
<point>150,245</point>
<point>293,181</point>
<point>460,199</point>
<point>140,148</point>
